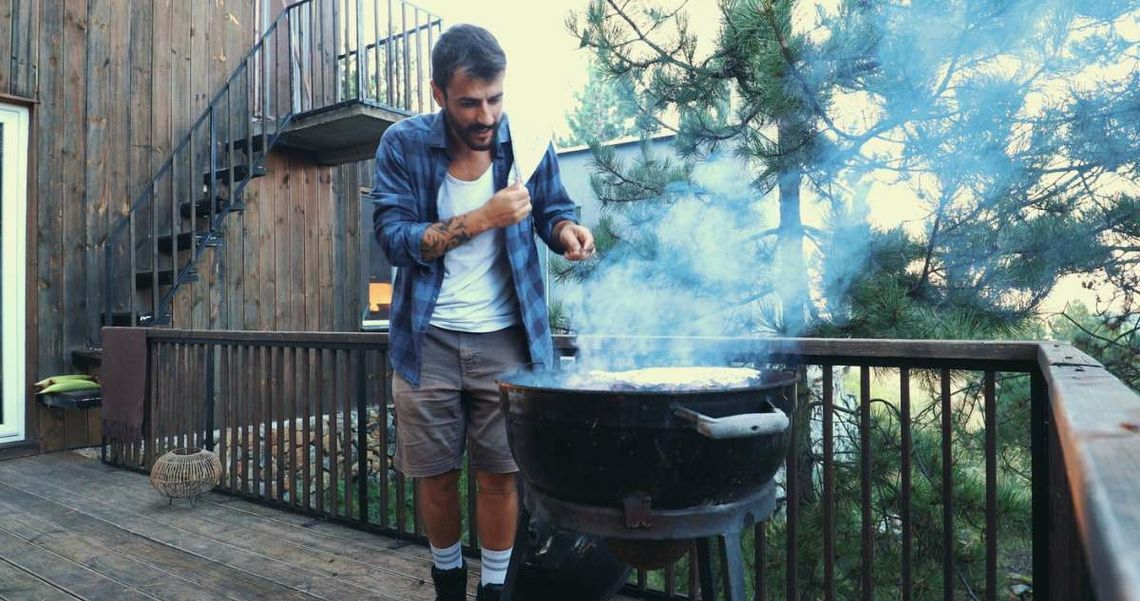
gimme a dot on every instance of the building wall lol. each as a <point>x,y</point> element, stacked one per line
<point>114,84</point>
<point>292,260</point>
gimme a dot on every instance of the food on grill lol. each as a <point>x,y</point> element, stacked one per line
<point>665,378</point>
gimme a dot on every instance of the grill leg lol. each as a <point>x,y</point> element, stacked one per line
<point>733,566</point>
<point>705,569</point>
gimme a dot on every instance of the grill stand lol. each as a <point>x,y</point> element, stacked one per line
<point>727,522</point>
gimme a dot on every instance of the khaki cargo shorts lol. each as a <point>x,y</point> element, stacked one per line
<point>457,403</point>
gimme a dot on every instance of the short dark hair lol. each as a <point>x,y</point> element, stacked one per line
<point>466,47</point>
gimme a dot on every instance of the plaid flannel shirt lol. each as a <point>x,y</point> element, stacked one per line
<point>411,163</point>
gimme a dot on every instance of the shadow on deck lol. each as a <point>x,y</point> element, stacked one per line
<point>71,527</point>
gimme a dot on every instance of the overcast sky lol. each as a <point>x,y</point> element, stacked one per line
<point>545,66</point>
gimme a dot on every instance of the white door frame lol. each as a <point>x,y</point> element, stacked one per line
<point>13,271</point>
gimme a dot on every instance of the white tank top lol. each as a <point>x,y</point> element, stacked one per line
<point>478,294</point>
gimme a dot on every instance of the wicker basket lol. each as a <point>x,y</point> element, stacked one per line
<point>185,473</point>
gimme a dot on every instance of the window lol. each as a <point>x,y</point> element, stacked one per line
<point>378,275</point>
<point>13,236</point>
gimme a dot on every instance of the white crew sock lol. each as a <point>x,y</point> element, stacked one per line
<point>448,558</point>
<point>494,565</point>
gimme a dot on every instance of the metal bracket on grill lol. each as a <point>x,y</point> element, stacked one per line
<point>638,510</point>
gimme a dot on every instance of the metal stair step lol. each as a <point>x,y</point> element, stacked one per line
<point>123,319</point>
<point>257,142</point>
<point>240,172</point>
<point>145,279</point>
<point>185,241</point>
<point>202,207</point>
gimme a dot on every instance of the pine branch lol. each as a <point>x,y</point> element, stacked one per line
<point>786,52</point>
<point>662,54</point>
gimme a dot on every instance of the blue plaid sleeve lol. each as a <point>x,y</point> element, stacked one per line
<point>396,221</point>
<point>551,202</point>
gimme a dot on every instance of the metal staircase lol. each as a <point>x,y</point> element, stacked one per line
<point>321,67</point>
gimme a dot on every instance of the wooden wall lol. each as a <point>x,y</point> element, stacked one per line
<point>292,260</point>
<point>115,83</point>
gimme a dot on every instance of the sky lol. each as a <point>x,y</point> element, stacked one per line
<point>544,64</point>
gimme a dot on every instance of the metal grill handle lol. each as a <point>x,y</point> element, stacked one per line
<point>735,426</point>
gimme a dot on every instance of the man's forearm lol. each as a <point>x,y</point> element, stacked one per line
<point>446,235</point>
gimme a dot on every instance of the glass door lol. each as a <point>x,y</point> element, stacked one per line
<point>13,264</point>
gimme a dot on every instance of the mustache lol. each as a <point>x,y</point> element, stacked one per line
<point>478,129</point>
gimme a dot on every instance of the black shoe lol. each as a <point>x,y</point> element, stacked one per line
<point>489,592</point>
<point>450,585</point>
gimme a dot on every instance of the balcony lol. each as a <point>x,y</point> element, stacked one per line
<point>285,411</point>
<point>342,94</point>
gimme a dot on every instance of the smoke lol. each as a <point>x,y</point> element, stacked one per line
<point>950,115</point>
<point>697,269</point>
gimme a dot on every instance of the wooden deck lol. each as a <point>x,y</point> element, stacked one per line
<point>71,527</point>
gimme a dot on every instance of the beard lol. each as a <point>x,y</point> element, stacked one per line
<point>467,134</point>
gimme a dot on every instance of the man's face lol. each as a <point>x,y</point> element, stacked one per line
<point>472,107</point>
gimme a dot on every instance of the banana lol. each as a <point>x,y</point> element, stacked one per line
<point>70,385</point>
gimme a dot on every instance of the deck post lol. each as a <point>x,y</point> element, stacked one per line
<point>1040,487</point>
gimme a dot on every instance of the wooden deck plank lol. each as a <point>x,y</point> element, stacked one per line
<point>376,560</point>
<point>109,521</point>
<point>208,575</point>
<point>19,585</point>
<point>260,555</point>
<point>61,572</point>
<point>91,550</point>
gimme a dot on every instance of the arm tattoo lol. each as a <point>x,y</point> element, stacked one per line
<point>446,235</point>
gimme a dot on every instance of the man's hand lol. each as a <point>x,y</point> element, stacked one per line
<point>578,240</point>
<point>507,207</point>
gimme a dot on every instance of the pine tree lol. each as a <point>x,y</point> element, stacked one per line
<point>605,111</point>
<point>992,115</point>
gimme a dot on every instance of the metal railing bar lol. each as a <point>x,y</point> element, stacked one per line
<point>828,434</point>
<point>947,490</point>
<point>361,54</point>
<point>991,430</point>
<point>419,67</point>
<point>791,510</point>
<point>358,364</point>
<point>472,525</point>
<point>389,79</point>
<point>376,47</point>
<point>904,476</point>
<point>867,583</point>
<point>407,66</point>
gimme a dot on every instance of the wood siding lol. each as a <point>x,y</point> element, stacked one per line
<point>292,260</point>
<point>114,84</point>
<point>114,87</point>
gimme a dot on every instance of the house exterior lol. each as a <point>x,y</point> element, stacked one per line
<point>113,116</point>
<point>576,164</point>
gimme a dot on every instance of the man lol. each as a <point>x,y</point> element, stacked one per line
<point>468,301</point>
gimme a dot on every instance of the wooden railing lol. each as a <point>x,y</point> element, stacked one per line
<point>303,421</point>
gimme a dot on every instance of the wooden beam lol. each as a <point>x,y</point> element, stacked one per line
<point>1097,420</point>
